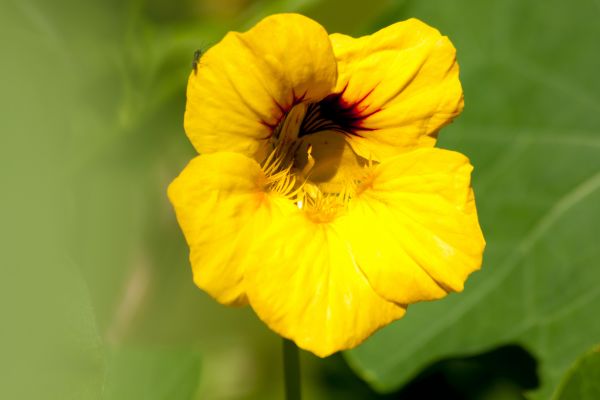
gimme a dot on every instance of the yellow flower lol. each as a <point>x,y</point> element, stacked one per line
<point>318,197</point>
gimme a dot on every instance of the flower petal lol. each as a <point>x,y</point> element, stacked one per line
<point>402,84</point>
<point>220,204</point>
<point>414,228</point>
<point>308,288</point>
<point>247,82</point>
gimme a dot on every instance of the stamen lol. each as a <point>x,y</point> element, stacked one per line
<point>280,179</point>
<point>365,181</point>
<point>310,163</point>
<point>322,207</point>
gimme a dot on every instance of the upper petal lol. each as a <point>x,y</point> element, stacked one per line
<point>246,83</point>
<point>413,227</point>
<point>402,84</point>
<point>307,287</point>
<point>221,204</point>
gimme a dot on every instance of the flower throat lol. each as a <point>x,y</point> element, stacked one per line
<point>310,159</point>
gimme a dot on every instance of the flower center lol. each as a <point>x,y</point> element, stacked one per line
<point>311,160</point>
<point>333,113</point>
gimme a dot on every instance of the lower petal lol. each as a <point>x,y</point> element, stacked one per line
<point>308,288</point>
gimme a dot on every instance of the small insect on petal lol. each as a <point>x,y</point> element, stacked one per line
<point>196,60</point>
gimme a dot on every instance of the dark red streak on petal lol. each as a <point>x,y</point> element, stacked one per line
<point>332,113</point>
<point>335,113</point>
<point>282,112</point>
<point>296,99</point>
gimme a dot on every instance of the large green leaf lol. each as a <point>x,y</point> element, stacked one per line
<point>531,127</point>
<point>582,382</point>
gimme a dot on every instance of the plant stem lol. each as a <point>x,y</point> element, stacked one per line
<point>291,367</point>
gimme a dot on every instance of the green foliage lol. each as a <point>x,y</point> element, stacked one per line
<point>531,128</point>
<point>96,294</point>
<point>582,382</point>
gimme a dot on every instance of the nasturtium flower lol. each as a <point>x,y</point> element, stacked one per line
<point>318,196</point>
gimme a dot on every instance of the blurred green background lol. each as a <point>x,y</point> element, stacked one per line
<point>96,295</point>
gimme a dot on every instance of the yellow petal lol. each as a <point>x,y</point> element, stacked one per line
<point>413,227</point>
<point>247,82</point>
<point>220,203</point>
<point>307,288</point>
<point>401,84</point>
